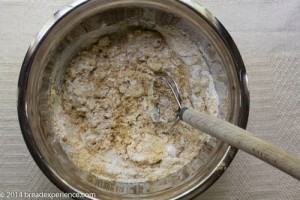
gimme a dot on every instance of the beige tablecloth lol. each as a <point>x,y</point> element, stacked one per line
<point>267,32</point>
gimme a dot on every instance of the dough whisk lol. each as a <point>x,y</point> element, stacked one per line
<point>231,134</point>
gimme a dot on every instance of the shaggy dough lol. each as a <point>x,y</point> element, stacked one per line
<point>114,114</point>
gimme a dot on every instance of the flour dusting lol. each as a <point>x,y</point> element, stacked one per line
<point>111,113</point>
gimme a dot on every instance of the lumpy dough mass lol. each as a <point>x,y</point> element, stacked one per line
<point>115,116</point>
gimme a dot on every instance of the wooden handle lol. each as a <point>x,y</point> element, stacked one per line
<point>242,139</point>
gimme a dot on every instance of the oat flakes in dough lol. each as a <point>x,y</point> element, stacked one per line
<point>113,112</point>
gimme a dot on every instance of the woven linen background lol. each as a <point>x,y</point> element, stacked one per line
<point>267,33</point>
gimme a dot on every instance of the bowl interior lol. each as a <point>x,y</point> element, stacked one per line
<point>77,29</point>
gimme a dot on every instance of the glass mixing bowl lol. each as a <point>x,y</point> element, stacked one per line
<point>75,26</point>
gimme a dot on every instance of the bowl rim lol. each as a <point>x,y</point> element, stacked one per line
<point>56,18</point>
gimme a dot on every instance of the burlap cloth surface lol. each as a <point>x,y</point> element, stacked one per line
<point>267,33</point>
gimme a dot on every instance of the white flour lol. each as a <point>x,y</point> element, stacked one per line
<point>112,113</point>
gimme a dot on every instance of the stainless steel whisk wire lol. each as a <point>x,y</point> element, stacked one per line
<point>175,91</point>
<point>172,84</point>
